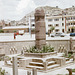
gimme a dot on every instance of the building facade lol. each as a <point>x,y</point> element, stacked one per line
<point>65,23</point>
<point>56,20</point>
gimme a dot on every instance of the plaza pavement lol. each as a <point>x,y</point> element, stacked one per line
<point>27,36</point>
<point>61,70</point>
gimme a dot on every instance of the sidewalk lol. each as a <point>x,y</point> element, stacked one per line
<point>61,70</point>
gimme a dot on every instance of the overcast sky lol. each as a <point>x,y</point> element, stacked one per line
<point>16,9</point>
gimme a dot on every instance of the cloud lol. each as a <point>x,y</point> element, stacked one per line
<point>61,3</point>
<point>16,9</point>
<point>7,9</point>
<point>24,7</point>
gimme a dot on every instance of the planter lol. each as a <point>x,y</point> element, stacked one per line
<point>40,55</point>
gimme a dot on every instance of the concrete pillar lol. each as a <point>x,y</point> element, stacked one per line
<point>62,61</point>
<point>70,44</point>
<point>0,71</point>
<point>28,73</point>
<point>15,68</point>
<point>5,61</point>
<point>40,29</point>
<point>45,66</point>
<point>70,71</point>
<point>34,71</point>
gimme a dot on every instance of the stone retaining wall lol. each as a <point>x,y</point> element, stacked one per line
<point>19,44</point>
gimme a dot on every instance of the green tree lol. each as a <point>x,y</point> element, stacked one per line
<point>1,31</point>
<point>52,28</point>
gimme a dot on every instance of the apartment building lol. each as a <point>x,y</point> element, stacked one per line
<point>61,23</point>
<point>62,20</point>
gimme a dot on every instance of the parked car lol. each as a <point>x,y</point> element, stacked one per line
<point>58,34</point>
<point>46,33</point>
<point>72,34</point>
<point>52,35</point>
<point>21,32</point>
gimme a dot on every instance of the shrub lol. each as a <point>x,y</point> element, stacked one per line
<point>7,57</point>
<point>1,31</point>
<point>73,70</point>
<point>2,71</point>
<point>45,49</point>
<point>15,31</point>
<point>68,56</point>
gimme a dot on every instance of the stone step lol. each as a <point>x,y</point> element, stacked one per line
<point>9,63</point>
<point>53,66</point>
<point>51,62</point>
<point>37,67</point>
<point>35,63</point>
<point>67,62</point>
<point>67,59</point>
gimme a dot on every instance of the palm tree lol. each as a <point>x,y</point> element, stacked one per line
<point>52,28</point>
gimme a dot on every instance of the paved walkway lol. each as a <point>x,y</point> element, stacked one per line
<point>61,70</point>
<point>27,36</point>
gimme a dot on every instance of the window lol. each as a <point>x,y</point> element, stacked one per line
<point>62,19</point>
<point>32,20</point>
<point>56,19</point>
<point>0,27</point>
<point>7,31</point>
<point>57,25</point>
<point>68,24</point>
<point>68,29</point>
<point>62,24</point>
<point>68,18</point>
<point>73,17</point>
<point>57,30</point>
<point>71,23</point>
<point>63,30</point>
<point>49,19</point>
<point>50,25</point>
<point>33,24</point>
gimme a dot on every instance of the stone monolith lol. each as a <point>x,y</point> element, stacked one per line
<point>40,29</point>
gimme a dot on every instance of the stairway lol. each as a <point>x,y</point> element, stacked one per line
<point>68,61</point>
<point>36,63</point>
<point>39,64</point>
<point>52,65</point>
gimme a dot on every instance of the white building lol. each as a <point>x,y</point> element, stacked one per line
<point>61,20</point>
<point>65,24</point>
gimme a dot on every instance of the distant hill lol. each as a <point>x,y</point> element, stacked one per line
<point>51,11</point>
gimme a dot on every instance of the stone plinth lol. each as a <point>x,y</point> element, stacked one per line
<point>40,55</point>
<point>40,30</point>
